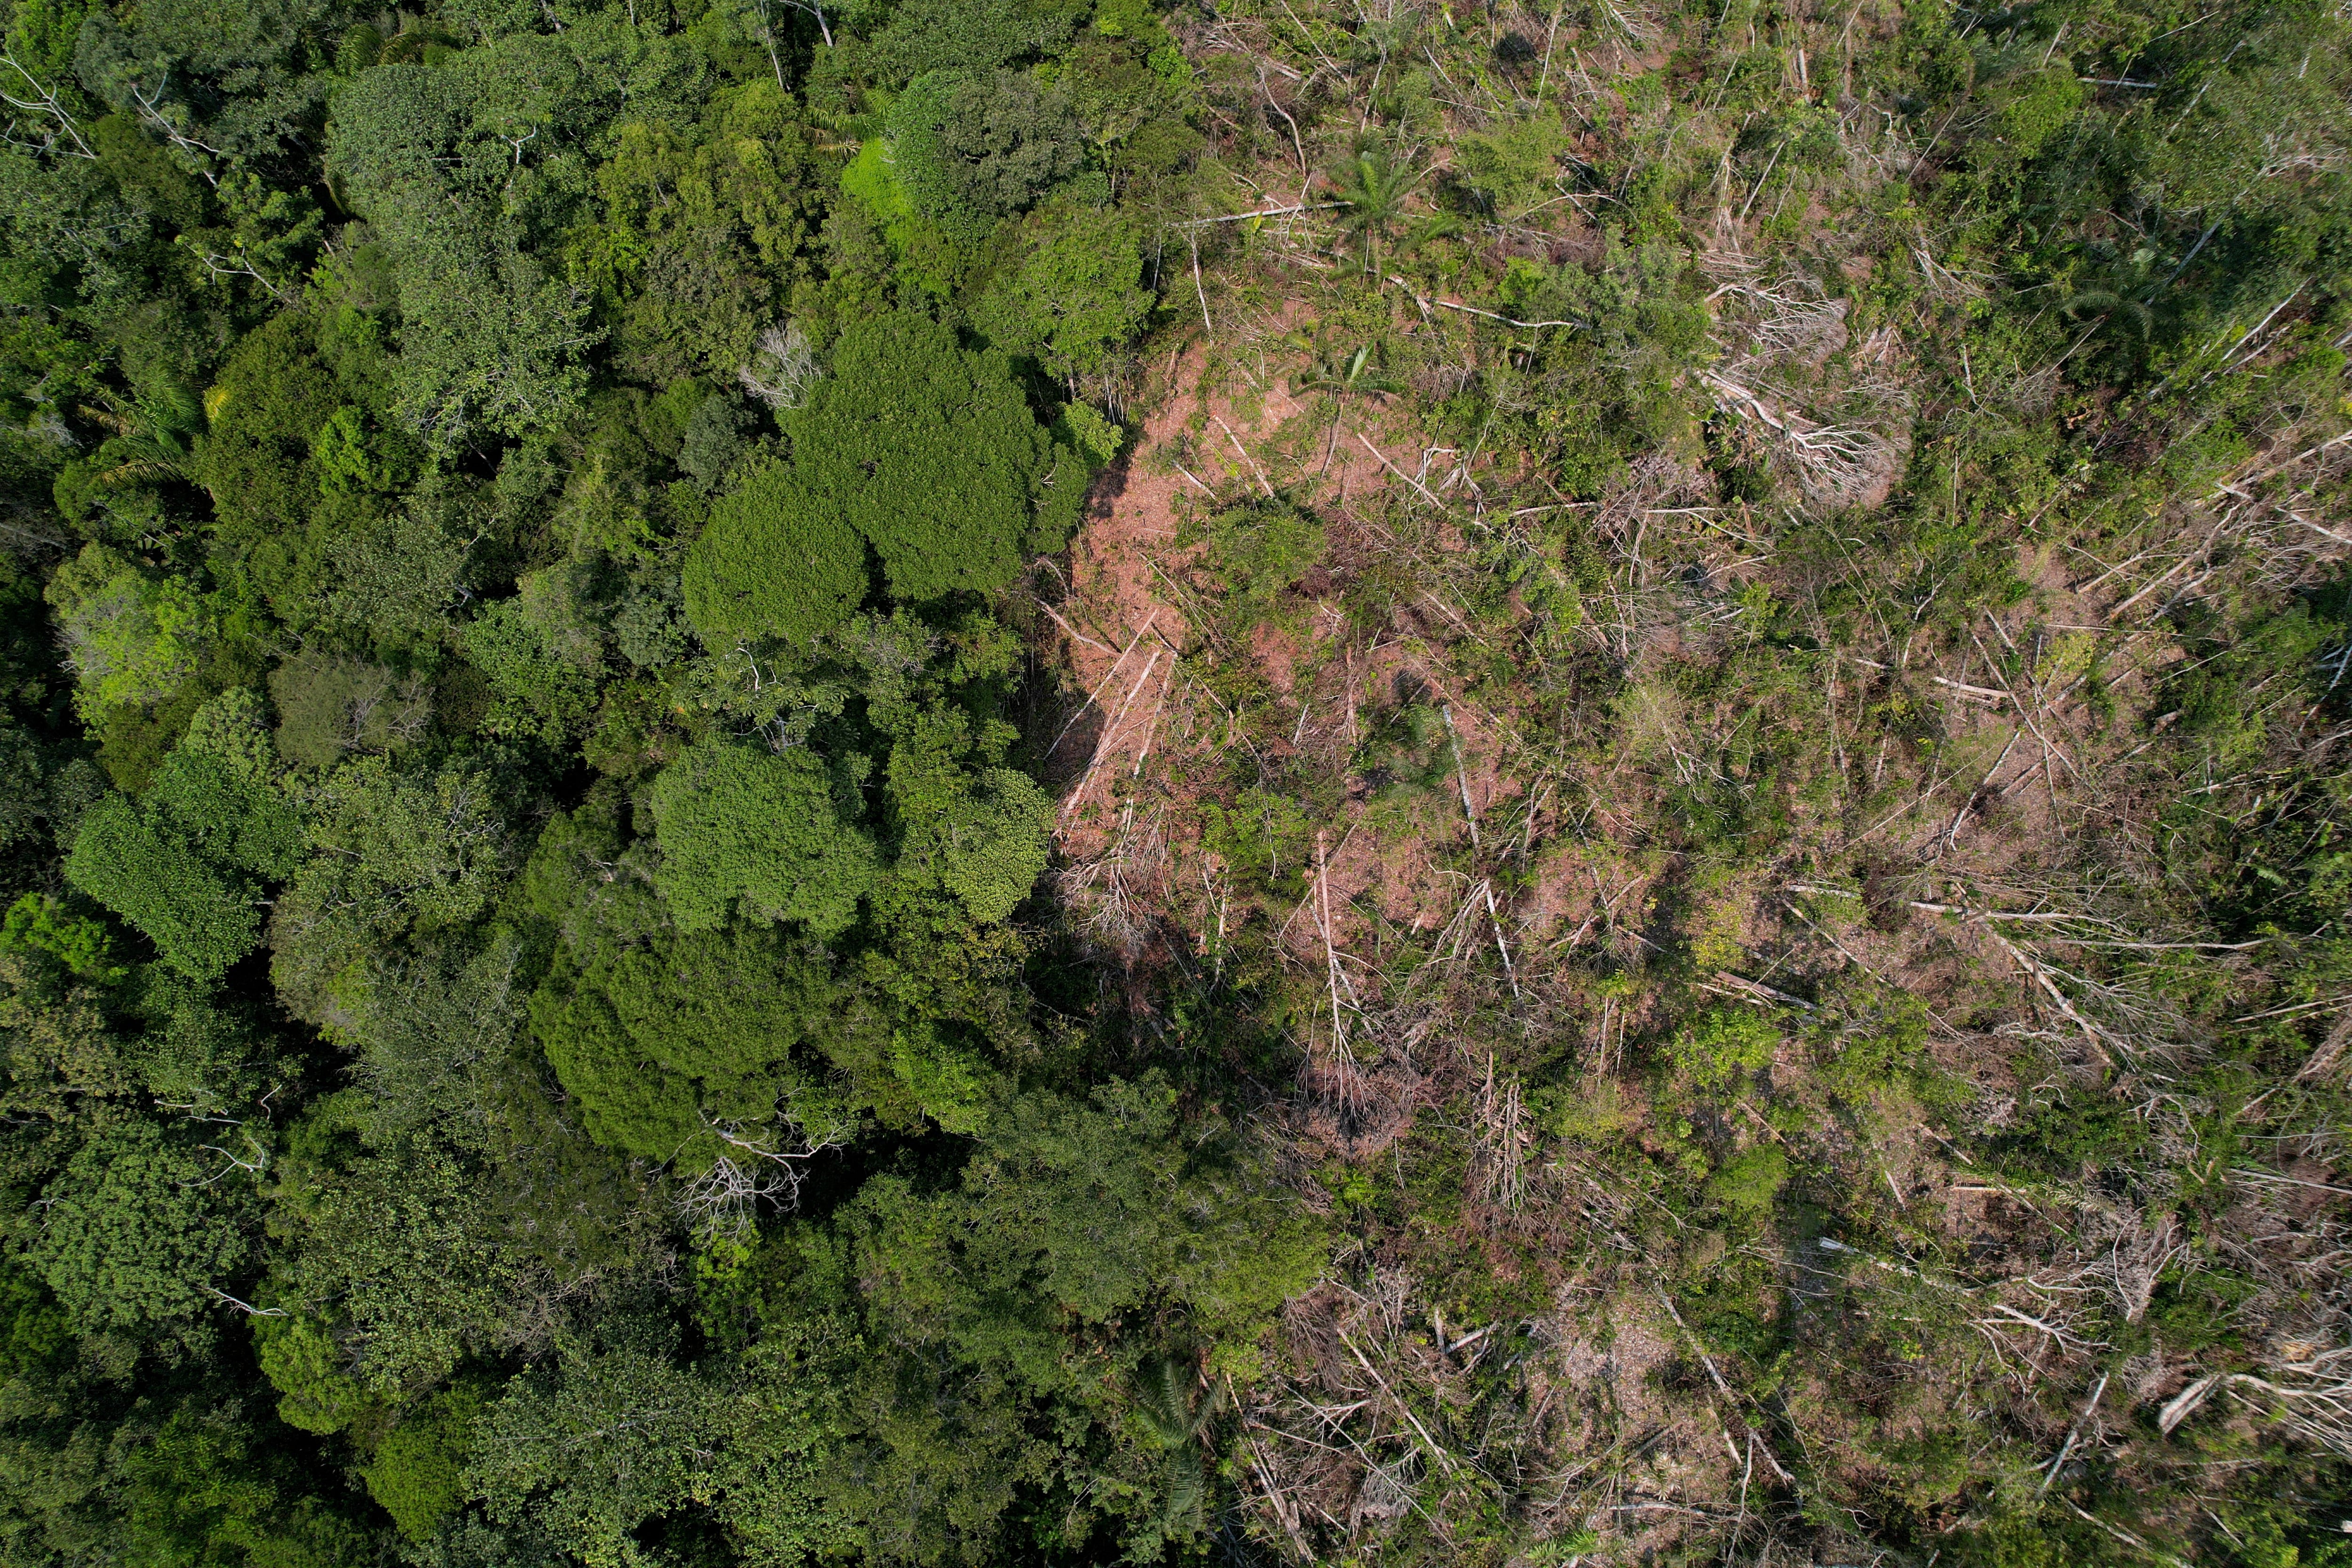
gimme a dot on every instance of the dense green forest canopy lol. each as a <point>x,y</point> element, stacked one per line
<point>1072,780</point>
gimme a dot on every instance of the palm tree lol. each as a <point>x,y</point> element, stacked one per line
<point>2121,292</point>
<point>2108,305</point>
<point>150,441</point>
<point>1355,376</point>
<point>1177,1424</point>
<point>1374,187</point>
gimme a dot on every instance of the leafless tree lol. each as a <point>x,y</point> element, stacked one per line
<point>759,1166</point>
<point>29,95</point>
<point>783,365</point>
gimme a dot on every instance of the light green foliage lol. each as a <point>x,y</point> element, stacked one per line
<point>1592,1113</point>
<point>775,561</point>
<point>925,448</point>
<point>41,36</point>
<point>413,850</point>
<point>353,457</point>
<point>490,338</point>
<point>1265,836</point>
<point>745,828</point>
<point>521,645</point>
<point>427,843</point>
<point>133,636</point>
<point>1745,1185</point>
<point>299,1357</point>
<point>1094,438</point>
<point>1512,166</point>
<point>273,398</point>
<point>402,1249</point>
<point>998,845</point>
<point>1721,1047</point>
<point>39,922</point>
<point>2038,106</point>
<point>666,1042</point>
<point>872,177</point>
<point>185,864</point>
<point>234,727</point>
<point>1259,551</point>
<point>942,35</point>
<point>700,230</point>
<point>1076,296</point>
<point>136,1231</point>
<point>982,838</point>
<point>949,1083</point>
<point>206,1487</point>
<point>1870,1038</point>
<point>748,176</point>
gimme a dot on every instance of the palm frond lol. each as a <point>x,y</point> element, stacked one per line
<point>1162,1404</point>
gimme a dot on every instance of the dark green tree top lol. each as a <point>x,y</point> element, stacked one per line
<point>930,451</point>
<point>974,146</point>
<point>775,561</point>
<point>911,443</point>
<point>185,863</point>
<point>135,1233</point>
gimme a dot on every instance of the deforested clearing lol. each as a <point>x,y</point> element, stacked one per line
<point>1051,781</point>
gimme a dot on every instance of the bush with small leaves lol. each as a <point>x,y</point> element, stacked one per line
<point>759,833</point>
<point>1745,1185</point>
<point>139,1231</point>
<point>1722,1046</point>
<point>299,1357</point>
<point>185,864</point>
<point>416,1473</point>
<point>973,146</point>
<point>775,561</point>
